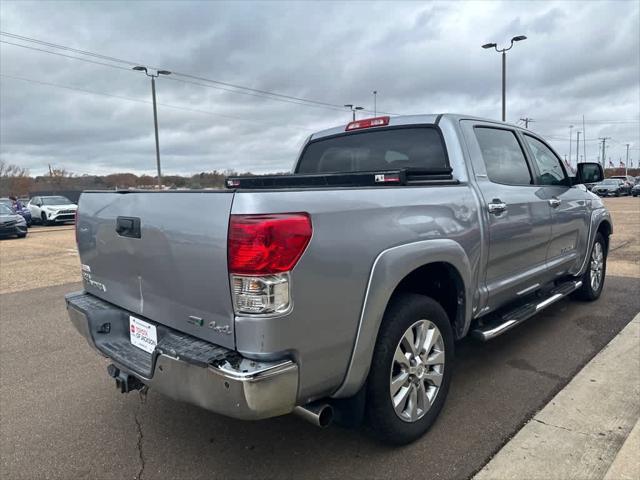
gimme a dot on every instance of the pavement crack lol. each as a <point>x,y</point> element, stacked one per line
<point>562,428</point>
<point>143,399</point>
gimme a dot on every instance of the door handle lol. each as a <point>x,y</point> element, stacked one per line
<point>555,202</point>
<point>497,206</point>
<point>128,227</point>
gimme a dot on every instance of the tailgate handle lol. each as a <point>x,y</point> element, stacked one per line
<point>128,227</point>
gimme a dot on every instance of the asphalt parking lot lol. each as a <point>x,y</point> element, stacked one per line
<point>61,417</point>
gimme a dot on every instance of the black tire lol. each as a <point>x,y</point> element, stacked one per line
<point>22,235</point>
<point>43,219</point>
<point>587,292</point>
<point>403,312</point>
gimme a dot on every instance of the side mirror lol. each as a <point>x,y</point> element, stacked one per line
<point>589,172</point>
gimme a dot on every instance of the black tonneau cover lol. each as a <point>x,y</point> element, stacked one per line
<point>343,179</point>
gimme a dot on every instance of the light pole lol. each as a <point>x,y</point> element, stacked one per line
<point>577,145</point>
<point>155,112</point>
<point>504,69</point>
<point>375,103</point>
<point>353,109</point>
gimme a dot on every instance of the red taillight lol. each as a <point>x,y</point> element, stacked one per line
<point>367,123</point>
<point>267,244</point>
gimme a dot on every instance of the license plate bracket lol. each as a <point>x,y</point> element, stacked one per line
<point>142,334</point>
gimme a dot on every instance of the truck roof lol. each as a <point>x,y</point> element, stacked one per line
<point>429,118</point>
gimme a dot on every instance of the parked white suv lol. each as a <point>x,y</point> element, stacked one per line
<point>52,209</point>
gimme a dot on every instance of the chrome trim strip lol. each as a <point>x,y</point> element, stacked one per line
<point>528,289</point>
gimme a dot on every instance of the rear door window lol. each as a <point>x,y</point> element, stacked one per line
<point>419,148</point>
<point>503,156</point>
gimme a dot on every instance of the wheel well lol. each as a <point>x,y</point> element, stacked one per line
<point>605,229</point>
<point>442,282</point>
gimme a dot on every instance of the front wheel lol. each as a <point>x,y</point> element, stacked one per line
<point>593,278</point>
<point>411,369</point>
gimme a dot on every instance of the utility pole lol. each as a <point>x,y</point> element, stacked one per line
<point>375,103</point>
<point>570,130</point>
<point>526,121</point>
<point>577,146</point>
<point>604,142</point>
<point>155,113</point>
<point>626,163</point>
<point>584,140</point>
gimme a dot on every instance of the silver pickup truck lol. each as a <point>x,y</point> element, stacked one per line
<point>339,291</point>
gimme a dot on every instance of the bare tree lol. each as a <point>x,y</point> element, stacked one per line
<point>14,180</point>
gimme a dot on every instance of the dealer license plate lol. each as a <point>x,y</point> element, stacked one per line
<point>143,335</point>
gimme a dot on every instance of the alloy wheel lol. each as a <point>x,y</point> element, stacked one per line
<point>417,370</point>
<point>597,263</point>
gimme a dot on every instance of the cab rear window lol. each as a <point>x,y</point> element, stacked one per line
<point>419,148</point>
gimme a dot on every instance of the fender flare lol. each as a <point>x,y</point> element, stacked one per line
<point>390,267</point>
<point>598,217</point>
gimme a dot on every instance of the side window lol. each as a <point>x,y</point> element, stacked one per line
<point>549,166</point>
<point>503,156</point>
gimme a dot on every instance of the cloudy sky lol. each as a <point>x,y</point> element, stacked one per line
<point>581,58</point>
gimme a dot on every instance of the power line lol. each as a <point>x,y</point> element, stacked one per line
<point>70,49</point>
<point>169,78</point>
<point>266,93</point>
<point>250,94</point>
<point>66,56</point>
<point>130,99</point>
<point>595,122</point>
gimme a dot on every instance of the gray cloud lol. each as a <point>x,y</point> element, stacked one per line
<point>580,59</point>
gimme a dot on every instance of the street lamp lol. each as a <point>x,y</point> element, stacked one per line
<point>155,112</point>
<point>504,68</point>
<point>570,139</point>
<point>353,109</point>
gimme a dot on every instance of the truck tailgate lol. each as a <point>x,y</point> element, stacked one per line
<point>172,269</point>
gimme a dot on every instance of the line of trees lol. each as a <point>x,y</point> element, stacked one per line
<point>15,180</point>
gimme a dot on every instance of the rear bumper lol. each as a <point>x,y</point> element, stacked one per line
<point>188,369</point>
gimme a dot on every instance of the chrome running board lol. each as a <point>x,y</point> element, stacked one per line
<point>507,320</point>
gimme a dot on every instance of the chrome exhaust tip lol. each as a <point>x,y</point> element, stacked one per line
<point>318,413</point>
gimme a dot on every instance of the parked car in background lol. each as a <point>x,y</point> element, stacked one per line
<point>635,191</point>
<point>19,208</point>
<point>629,180</point>
<point>51,209</point>
<point>341,286</point>
<point>611,187</point>
<point>11,224</point>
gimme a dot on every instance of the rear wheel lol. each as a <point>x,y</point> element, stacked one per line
<point>593,278</point>
<point>411,369</point>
